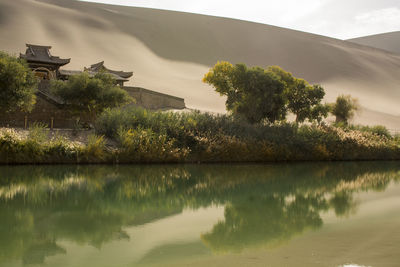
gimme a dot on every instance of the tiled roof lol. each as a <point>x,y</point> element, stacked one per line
<point>100,66</point>
<point>39,53</point>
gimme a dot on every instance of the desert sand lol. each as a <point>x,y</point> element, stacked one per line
<point>387,41</point>
<point>170,51</point>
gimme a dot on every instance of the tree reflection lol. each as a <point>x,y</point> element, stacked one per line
<point>270,220</point>
<point>91,205</point>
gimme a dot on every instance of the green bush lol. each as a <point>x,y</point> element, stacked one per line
<point>144,145</point>
<point>344,108</point>
<point>88,96</point>
<point>14,149</point>
<point>18,84</point>
<point>94,151</point>
<point>223,138</point>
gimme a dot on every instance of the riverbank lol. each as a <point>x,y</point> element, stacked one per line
<point>159,137</point>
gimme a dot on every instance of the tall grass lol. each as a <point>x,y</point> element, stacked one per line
<point>94,151</point>
<point>134,135</point>
<point>377,129</point>
<point>38,133</point>
<point>144,145</point>
<point>218,138</point>
<point>37,147</point>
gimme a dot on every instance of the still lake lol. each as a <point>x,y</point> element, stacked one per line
<point>303,214</point>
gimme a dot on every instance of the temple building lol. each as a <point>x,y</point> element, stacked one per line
<point>51,110</point>
<point>47,67</point>
<point>120,76</point>
<point>43,64</point>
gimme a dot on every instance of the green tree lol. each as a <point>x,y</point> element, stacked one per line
<point>303,99</point>
<point>344,108</point>
<point>17,84</point>
<point>254,93</point>
<point>259,94</point>
<point>89,96</point>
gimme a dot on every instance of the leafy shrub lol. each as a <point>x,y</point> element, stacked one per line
<point>95,149</point>
<point>213,138</point>
<point>15,149</point>
<point>88,96</point>
<point>344,108</point>
<point>144,145</point>
<point>18,84</point>
<point>60,150</point>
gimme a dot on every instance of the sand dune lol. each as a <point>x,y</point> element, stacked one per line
<point>387,41</point>
<point>170,51</point>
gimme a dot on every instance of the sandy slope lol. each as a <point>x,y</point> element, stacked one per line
<point>388,41</point>
<point>170,51</point>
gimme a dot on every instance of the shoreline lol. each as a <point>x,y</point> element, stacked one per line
<point>71,152</point>
<point>192,163</point>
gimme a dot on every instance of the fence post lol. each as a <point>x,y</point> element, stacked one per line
<point>52,123</point>
<point>26,122</point>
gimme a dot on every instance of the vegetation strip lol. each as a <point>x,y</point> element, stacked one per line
<point>135,135</point>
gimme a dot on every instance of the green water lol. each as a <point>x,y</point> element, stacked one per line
<point>309,214</point>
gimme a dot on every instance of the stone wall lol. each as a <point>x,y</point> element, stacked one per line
<point>155,100</point>
<point>48,108</point>
<point>45,109</point>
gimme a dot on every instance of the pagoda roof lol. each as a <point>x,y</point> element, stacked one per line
<point>40,53</point>
<point>100,66</point>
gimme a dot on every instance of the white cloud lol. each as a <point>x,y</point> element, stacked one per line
<point>336,18</point>
<point>388,16</point>
<point>382,20</point>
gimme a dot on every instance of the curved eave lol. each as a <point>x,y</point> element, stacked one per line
<point>122,80</point>
<point>125,75</point>
<point>60,62</point>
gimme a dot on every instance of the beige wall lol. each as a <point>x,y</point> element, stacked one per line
<point>154,100</point>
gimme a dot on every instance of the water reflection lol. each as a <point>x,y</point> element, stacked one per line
<point>265,205</point>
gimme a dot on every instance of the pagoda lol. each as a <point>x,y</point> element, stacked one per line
<point>120,76</point>
<point>47,67</point>
<point>43,64</point>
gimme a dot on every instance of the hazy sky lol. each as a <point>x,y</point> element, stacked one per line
<point>336,18</point>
